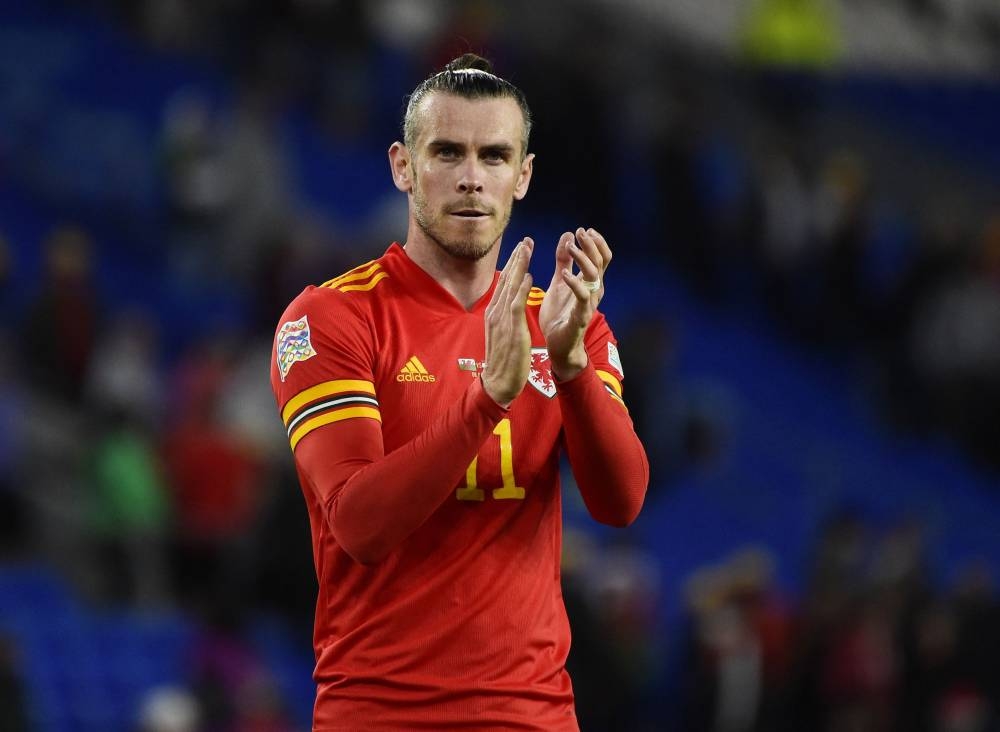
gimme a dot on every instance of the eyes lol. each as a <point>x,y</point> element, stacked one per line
<point>489,155</point>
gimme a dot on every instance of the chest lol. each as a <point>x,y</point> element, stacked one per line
<point>425,363</point>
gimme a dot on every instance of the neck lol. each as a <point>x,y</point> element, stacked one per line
<point>467,280</point>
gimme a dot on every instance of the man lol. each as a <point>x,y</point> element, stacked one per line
<point>427,399</point>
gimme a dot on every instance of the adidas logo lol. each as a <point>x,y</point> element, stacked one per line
<point>414,371</point>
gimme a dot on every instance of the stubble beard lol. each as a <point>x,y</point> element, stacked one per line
<point>472,249</point>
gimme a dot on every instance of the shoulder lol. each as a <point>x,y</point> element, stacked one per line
<point>337,298</point>
<point>363,278</point>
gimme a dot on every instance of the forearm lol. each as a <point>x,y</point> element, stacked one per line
<point>606,456</point>
<point>373,503</point>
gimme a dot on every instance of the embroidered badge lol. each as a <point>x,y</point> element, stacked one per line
<point>614,359</point>
<point>471,365</point>
<point>293,345</point>
<point>540,375</point>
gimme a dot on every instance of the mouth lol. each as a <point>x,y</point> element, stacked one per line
<point>470,213</point>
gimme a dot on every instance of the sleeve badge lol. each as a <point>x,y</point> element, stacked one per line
<point>614,359</point>
<point>292,345</point>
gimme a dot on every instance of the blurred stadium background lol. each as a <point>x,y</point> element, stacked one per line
<point>803,201</point>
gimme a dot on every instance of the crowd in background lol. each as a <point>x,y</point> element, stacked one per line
<point>162,480</point>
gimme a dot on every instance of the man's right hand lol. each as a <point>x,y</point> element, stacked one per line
<point>508,341</point>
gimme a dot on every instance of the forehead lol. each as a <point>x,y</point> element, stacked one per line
<point>486,121</point>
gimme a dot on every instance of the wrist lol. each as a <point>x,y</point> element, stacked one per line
<point>497,399</point>
<point>565,369</point>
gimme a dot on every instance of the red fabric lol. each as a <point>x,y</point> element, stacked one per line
<point>214,482</point>
<point>455,620</point>
<point>607,459</point>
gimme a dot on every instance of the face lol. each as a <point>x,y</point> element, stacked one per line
<point>464,172</point>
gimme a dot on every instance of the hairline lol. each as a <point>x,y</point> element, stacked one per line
<point>416,109</point>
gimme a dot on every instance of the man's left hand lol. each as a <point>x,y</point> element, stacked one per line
<point>572,299</point>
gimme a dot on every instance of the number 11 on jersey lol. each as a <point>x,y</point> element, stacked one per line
<point>510,489</point>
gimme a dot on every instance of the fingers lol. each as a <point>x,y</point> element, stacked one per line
<point>508,340</point>
<point>588,249</point>
<point>575,283</point>
<point>602,248</point>
<point>591,254</point>
<point>595,247</point>
<point>512,274</point>
<point>589,270</point>
<point>519,261</point>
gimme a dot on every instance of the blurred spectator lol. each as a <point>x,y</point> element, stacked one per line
<point>259,170</point>
<point>861,673</point>
<point>739,649</point>
<point>233,684</point>
<point>169,709</point>
<point>13,701</point>
<point>63,319</point>
<point>260,706</point>
<point>955,342</point>
<point>784,41</point>
<point>654,394</point>
<point>124,377</point>
<point>789,247</point>
<point>246,405</point>
<point>199,186</point>
<point>14,518</point>
<point>843,222</point>
<point>940,239</point>
<point>792,34</point>
<point>977,612</point>
<point>611,594</point>
<point>678,150</point>
<point>131,513</point>
<point>214,476</point>
<point>9,307</point>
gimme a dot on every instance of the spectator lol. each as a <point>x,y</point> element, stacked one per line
<point>14,528</point>
<point>124,377</point>
<point>130,517</point>
<point>63,319</point>
<point>213,475</point>
<point>169,709</point>
<point>13,702</point>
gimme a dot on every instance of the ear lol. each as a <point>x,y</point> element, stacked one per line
<point>399,164</point>
<point>524,177</point>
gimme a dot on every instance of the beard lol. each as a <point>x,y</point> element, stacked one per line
<point>473,245</point>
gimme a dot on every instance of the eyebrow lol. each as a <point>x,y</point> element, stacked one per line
<point>501,147</point>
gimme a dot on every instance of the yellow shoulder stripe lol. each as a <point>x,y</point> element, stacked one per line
<point>611,380</point>
<point>366,286</point>
<point>358,273</point>
<point>327,388</point>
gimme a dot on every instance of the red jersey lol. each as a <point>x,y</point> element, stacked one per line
<point>435,512</point>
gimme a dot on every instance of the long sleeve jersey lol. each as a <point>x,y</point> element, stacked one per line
<point>436,513</point>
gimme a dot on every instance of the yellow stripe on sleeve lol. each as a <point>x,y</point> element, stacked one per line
<point>611,381</point>
<point>367,286</point>
<point>329,418</point>
<point>618,399</point>
<point>327,388</point>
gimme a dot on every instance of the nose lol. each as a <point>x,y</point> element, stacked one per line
<point>470,179</point>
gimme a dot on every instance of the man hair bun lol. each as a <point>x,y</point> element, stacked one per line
<point>470,61</point>
<point>470,76</point>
